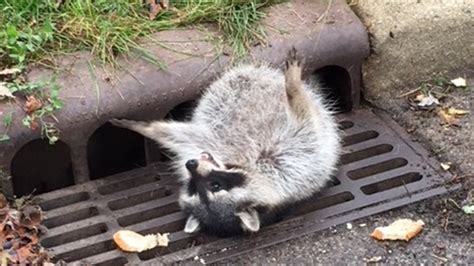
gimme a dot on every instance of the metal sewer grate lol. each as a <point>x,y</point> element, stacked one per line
<point>380,169</point>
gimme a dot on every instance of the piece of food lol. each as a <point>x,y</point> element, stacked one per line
<point>402,229</point>
<point>134,242</point>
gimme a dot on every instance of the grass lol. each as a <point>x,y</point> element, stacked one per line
<point>38,30</point>
<point>34,29</point>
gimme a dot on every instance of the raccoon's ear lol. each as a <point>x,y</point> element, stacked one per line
<point>250,220</point>
<point>192,225</point>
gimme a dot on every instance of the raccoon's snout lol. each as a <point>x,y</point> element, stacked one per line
<point>192,165</point>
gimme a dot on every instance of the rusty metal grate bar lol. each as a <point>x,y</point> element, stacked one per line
<point>380,169</point>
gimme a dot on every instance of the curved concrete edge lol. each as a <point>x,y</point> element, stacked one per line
<point>141,90</point>
<point>413,41</point>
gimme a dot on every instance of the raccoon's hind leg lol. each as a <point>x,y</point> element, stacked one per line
<point>298,99</point>
<point>167,133</point>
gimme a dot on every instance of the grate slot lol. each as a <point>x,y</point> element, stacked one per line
<point>345,124</point>
<point>172,247</point>
<point>64,201</point>
<point>376,168</point>
<point>74,235</point>
<point>149,214</point>
<point>365,153</point>
<point>359,137</point>
<point>127,184</point>
<point>397,181</point>
<point>321,203</point>
<point>87,251</point>
<point>71,217</point>
<point>113,262</point>
<point>139,198</point>
<point>172,227</point>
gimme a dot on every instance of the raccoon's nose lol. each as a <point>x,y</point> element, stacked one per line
<point>192,164</point>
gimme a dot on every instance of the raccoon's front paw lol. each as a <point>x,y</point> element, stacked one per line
<point>130,124</point>
<point>293,60</point>
<point>294,64</point>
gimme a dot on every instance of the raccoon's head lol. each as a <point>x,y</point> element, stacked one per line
<point>216,198</point>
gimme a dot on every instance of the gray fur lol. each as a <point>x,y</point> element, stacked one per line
<point>269,122</point>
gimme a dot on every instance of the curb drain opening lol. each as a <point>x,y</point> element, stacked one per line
<point>112,150</point>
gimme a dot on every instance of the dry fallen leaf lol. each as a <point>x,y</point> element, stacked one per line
<point>10,71</point>
<point>156,8</point>
<point>5,92</point>
<point>455,112</point>
<point>20,240</point>
<point>448,119</point>
<point>373,259</point>
<point>32,104</point>
<point>426,100</point>
<point>459,82</point>
<point>445,166</point>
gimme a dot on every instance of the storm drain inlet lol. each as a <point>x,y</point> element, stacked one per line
<point>380,169</point>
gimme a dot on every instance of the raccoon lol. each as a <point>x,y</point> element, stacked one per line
<point>259,139</point>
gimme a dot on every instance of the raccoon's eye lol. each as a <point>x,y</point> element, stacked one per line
<point>215,186</point>
<point>231,166</point>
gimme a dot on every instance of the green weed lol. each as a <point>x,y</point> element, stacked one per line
<point>32,29</point>
<point>47,94</point>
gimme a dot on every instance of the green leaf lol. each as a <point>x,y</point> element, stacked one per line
<point>12,32</point>
<point>7,119</point>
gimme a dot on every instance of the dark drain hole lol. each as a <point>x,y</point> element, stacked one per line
<point>343,125</point>
<point>397,181</point>
<point>377,168</point>
<point>87,251</point>
<point>64,201</point>
<point>39,167</point>
<point>71,217</point>
<point>128,184</point>
<point>137,199</point>
<point>113,262</point>
<point>366,153</point>
<point>112,150</point>
<point>173,247</point>
<point>317,203</point>
<point>74,235</point>
<point>359,137</point>
<point>148,214</point>
<point>169,228</point>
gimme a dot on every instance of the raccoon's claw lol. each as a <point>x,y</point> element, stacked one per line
<point>293,59</point>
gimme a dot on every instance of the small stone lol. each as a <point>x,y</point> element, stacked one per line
<point>349,226</point>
